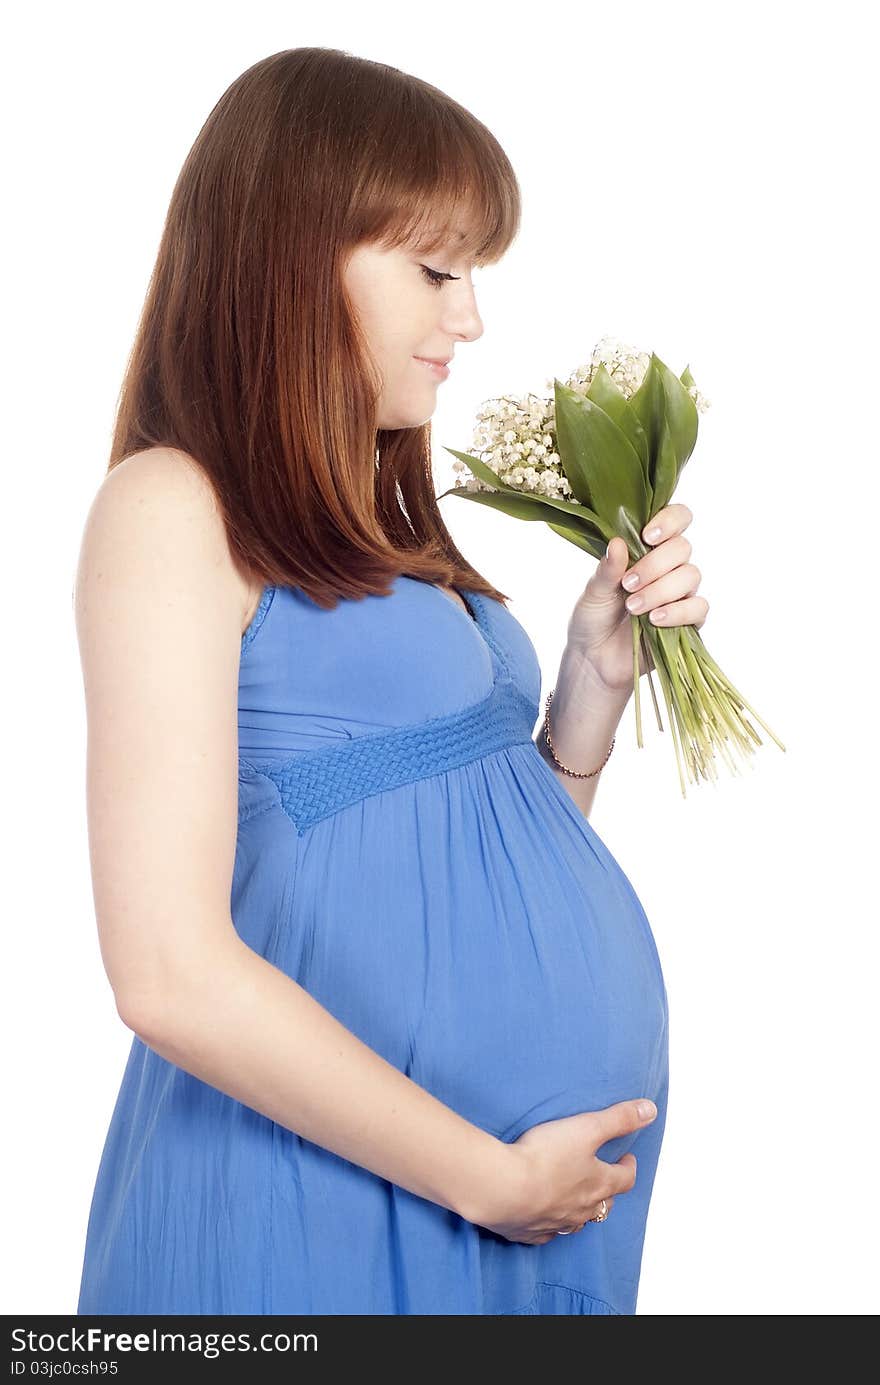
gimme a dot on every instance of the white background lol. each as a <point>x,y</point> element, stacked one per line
<point>696,180</point>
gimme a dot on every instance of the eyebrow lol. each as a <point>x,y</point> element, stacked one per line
<point>435,233</point>
<point>435,237</point>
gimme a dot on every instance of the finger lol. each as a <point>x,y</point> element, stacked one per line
<point>613,565</point>
<point>621,1119</point>
<point>672,586</point>
<point>671,520</point>
<point>608,1199</point>
<point>674,553</point>
<point>589,1215</point>
<point>693,611</point>
<point>622,1175</point>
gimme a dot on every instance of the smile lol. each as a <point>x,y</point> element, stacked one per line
<point>440,371</point>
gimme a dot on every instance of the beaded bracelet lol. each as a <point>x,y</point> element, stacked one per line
<point>572,772</point>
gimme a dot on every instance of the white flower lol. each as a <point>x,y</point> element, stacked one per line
<point>625,364</point>
<point>700,400</point>
<point>512,430</point>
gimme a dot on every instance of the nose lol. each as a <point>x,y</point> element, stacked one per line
<point>461,317</point>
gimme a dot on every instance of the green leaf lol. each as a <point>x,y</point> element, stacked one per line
<point>648,405</point>
<point>520,505</point>
<point>669,417</point>
<point>602,466</point>
<point>485,473</point>
<point>631,535</point>
<point>682,422</point>
<point>595,550</point>
<point>610,399</point>
<point>665,470</point>
<point>586,518</point>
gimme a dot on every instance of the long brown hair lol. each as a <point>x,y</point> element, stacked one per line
<point>248,356</point>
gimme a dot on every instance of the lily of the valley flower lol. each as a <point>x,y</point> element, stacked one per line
<point>595,461</point>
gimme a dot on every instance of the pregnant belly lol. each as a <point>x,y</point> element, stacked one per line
<point>553,1005</point>
<point>517,986</point>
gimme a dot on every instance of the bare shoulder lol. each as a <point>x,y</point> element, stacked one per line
<point>159,607</point>
<point>163,496</point>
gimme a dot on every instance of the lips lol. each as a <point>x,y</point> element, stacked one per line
<point>434,360</point>
<point>439,369</point>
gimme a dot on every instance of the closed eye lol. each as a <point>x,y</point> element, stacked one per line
<point>436,277</point>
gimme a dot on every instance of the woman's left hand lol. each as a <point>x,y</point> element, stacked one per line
<point>600,629</point>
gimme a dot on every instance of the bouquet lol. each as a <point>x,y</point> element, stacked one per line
<point>596,461</point>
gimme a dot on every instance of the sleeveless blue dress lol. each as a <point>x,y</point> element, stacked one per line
<point>405,853</point>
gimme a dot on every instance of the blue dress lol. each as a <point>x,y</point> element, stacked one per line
<point>405,853</point>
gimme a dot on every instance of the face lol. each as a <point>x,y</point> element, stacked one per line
<point>407,313</point>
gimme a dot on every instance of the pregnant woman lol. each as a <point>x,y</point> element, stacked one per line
<point>399,1023</point>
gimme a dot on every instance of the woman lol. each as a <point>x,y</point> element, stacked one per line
<point>400,1027</point>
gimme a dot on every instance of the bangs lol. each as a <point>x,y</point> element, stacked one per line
<point>442,180</point>
<point>471,230</point>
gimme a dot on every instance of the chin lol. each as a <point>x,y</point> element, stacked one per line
<point>405,418</point>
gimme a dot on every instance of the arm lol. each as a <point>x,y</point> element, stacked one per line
<point>584,716</point>
<point>159,605</point>
<point>238,1023</point>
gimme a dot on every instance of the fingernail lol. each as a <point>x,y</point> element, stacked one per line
<point>647,1110</point>
<point>653,534</point>
<point>630,581</point>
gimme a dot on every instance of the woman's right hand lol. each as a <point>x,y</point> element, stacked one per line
<point>552,1180</point>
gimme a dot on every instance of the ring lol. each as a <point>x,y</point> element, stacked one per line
<point>571,1233</point>
<point>603,1212</point>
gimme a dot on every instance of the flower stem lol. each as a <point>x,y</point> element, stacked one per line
<point>705,709</point>
<point>649,657</point>
<point>710,662</point>
<point>634,623</point>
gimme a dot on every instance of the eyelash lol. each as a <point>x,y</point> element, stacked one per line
<point>435,277</point>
